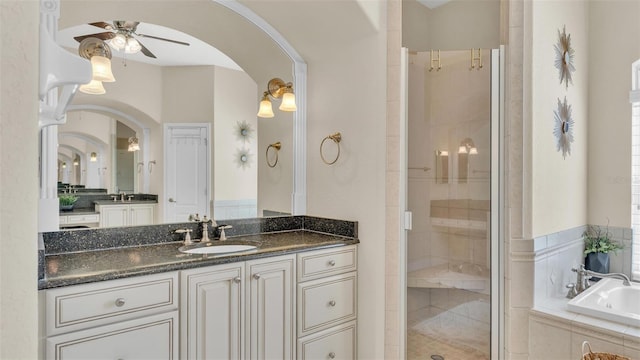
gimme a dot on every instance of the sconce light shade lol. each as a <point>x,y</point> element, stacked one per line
<point>102,69</point>
<point>64,164</point>
<point>76,162</point>
<point>93,88</point>
<point>288,102</point>
<point>265,110</point>
<point>133,144</point>
<point>467,147</point>
<point>94,157</point>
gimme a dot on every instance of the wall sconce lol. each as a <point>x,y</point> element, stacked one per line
<point>467,147</point>
<point>133,144</point>
<point>76,162</point>
<point>64,164</point>
<point>277,88</point>
<point>94,157</point>
<point>99,53</point>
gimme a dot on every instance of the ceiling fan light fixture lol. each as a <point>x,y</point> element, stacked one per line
<point>132,46</point>
<point>102,69</point>
<point>119,41</point>
<point>93,88</point>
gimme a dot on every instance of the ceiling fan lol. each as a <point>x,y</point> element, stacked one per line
<point>121,36</point>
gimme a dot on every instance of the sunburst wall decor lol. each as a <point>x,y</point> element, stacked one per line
<point>244,131</point>
<point>564,58</point>
<point>563,129</point>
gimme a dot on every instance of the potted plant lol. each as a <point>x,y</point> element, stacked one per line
<point>67,202</point>
<point>597,246</point>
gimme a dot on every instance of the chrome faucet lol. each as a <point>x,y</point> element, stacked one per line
<point>582,280</point>
<point>122,196</point>
<point>625,279</point>
<point>205,225</point>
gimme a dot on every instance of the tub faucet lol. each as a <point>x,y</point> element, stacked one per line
<point>582,280</point>
<point>625,279</point>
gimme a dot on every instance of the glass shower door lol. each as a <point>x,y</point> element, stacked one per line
<point>450,162</point>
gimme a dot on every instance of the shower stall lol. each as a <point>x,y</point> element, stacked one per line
<point>452,126</point>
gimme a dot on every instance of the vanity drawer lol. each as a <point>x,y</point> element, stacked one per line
<point>326,302</point>
<point>338,343</point>
<point>78,307</point>
<point>321,263</point>
<point>83,219</point>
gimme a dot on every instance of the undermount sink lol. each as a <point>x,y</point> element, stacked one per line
<point>216,249</point>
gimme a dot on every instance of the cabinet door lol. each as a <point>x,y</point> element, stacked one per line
<point>213,312</point>
<point>153,337</point>
<point>271,308</point>
<point>114,215</point>
<point>141,214</point>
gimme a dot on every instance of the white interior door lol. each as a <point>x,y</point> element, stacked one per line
<point>187,171</point>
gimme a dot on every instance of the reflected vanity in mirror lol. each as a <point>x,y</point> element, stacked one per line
<point>149,94</point>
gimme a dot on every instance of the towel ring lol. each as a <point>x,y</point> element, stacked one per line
<point>276,146</point>
<point>337,137</point>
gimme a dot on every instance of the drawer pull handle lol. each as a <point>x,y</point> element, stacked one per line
<point>332,355</point>
<point>256,276</point>
<point>332,263</point>
<point>332,303</point>
<point>119,302</point>
<point>237,280</point>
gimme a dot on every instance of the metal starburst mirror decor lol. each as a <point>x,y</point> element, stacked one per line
<point>564,57</point>
<point>563,129</point>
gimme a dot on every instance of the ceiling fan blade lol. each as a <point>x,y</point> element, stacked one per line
<point>101,36</point>
<point>102,24</point>
<point>163,39</point>
<point>146,51</point>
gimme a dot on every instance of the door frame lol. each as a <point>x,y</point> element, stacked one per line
<point>209,157</point>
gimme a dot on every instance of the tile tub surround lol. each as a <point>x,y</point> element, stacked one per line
<point>551,324</point>
<point>70,257</point>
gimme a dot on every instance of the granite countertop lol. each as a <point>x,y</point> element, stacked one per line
<point>79,211</point>
<point>126,202</point>
<point>98,265</point>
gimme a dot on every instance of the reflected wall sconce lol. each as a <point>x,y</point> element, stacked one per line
<point>93,157</point>
<point>277,88</point>
<point>99,53</point>
<point>76,162</point>
<point>467,147</point>
<point>133,144</point>
<point>64,164</point>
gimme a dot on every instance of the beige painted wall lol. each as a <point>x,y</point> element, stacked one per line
<point>559,185</point>
<point>613,47</point>
<point>234,102</point>
<point>18,179</point>
<point>457,25</point>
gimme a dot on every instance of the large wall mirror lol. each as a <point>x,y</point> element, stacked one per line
<point>216,82</point>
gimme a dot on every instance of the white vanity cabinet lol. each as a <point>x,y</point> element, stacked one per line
<point>126,214</point>
<point>327,304</point>
<point>118,319</point>
<point>242,310</point>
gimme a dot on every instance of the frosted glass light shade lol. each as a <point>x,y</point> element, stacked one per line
<point>94,157</point>
<point>462,149</point>
<point>94,88</point>
<point>288,102</point>
<point>132,47</point>
<point>102,69</point>
<point>473,151</point>
<point>118,42</point>
<point>265,110</point>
